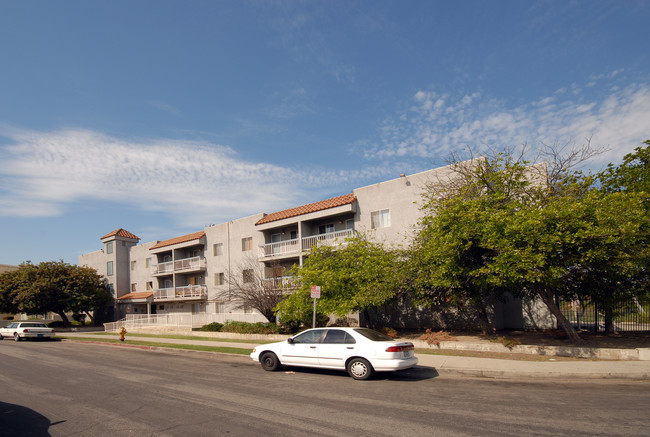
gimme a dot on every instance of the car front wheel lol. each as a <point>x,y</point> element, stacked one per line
<point>358,368</point>
<point>270,362</point>
<point>16,337</point>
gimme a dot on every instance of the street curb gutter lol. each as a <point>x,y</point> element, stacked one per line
<point>442,371</point>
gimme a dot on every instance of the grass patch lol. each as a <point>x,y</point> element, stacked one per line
<point>178,337</point>
<point>221,349</point>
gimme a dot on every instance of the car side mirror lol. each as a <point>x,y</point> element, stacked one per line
<point>290,340</point>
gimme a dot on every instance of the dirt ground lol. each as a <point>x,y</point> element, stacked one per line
<point>621,340</point>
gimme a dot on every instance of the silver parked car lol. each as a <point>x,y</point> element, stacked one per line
<point>23,330</point>
<point>360,351</point>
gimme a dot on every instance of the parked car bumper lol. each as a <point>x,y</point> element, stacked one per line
<point>390,365</point>
<point>48,335</point>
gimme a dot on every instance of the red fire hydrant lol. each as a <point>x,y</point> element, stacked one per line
<point>122,332</point>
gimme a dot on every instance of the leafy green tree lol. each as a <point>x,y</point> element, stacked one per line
<point>53,287</point>
<point>505,224</point>
<point>356,276</point>
<point>9,286</point>
<point>633,174</point>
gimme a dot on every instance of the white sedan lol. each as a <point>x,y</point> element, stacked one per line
<point>360,351</point>
<point>22,330</point>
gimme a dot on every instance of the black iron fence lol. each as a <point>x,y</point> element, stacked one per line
<point>633,315</point>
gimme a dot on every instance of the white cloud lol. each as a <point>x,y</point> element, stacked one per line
<point>43,173</point>
<point>439,123</point>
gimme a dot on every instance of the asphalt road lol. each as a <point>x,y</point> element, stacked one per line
<point>65,388</point>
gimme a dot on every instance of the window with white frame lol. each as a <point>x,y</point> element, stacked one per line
<point>219,279</point>
<point>109,268</point>
<point>246,244</point>
<point>380,219</point>
<point>132,265</point>
<point>109,247</point>
<point>133,288</point>
<point>147,262</point>
<point>349,224</point>
<point>217,249</point>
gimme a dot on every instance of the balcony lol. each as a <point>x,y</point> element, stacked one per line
<point>279,283</point>
<point>330,239</point>
<point>193,264</point>
<point>281,248</point>
<point>293,248</point>
<point>188,292</point>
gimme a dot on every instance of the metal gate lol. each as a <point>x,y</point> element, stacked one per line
<point>632,315</point>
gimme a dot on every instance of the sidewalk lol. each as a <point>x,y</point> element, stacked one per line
<point>466,366</point>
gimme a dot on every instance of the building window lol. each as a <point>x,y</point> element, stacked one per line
<point>109,247</point>
<point>147,262</point>
<point>218,279</point>
<point>149,286</point>
<point>247,276</point>
<point>217,249</point>
<point>349,224</point>
<point>133,288</point>
<point>246,244</point>
<point>326,229</point>
<point>132,265</point>
<point>109,268</point>
<point>294,235</point>
<point>380,219</point>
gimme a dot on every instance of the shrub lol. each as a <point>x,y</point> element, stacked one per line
<point>507,342</point>
<point>251,328</point>
<point>436,337</point>
<point>212,327</point>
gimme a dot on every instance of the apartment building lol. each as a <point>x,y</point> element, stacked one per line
<point>189,274</point>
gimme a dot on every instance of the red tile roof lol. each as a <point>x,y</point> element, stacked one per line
<point>346,199</point>
<point>121,233</point>
<point>177,240</point>
<point>138,295</point>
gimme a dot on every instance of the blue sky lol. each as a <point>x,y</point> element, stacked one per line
<point>162,117</point>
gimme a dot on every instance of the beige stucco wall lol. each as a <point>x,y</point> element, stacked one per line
<point>403,197</point>
<point>141,274</point>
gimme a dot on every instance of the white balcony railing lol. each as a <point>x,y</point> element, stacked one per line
<point>180,265</point>
<point>330,239</point>
<point>162,268</point>
<point>281,248</point>
<point>181,293</point>
<point>292,247</point>
<point>281,282</point>
<point>194,263</point>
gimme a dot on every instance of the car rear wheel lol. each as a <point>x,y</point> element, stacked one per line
<point>16,337</point>
<point>1,337</point>
<point>358,368</point>
<point>270,362</point>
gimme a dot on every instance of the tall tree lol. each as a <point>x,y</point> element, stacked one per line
<point>55,287</point>
<point>504,223</point>
<point>249,287</point>
<point>355,276</point>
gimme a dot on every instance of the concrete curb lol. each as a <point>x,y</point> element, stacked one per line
<point>639,354</point>
<point>455,366</point>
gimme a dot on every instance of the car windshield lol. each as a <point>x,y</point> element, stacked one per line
<point>373,335</point>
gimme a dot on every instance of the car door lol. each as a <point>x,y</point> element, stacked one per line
<point>336,347</point>
<point>303,349</point>
<point>9,330</point>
